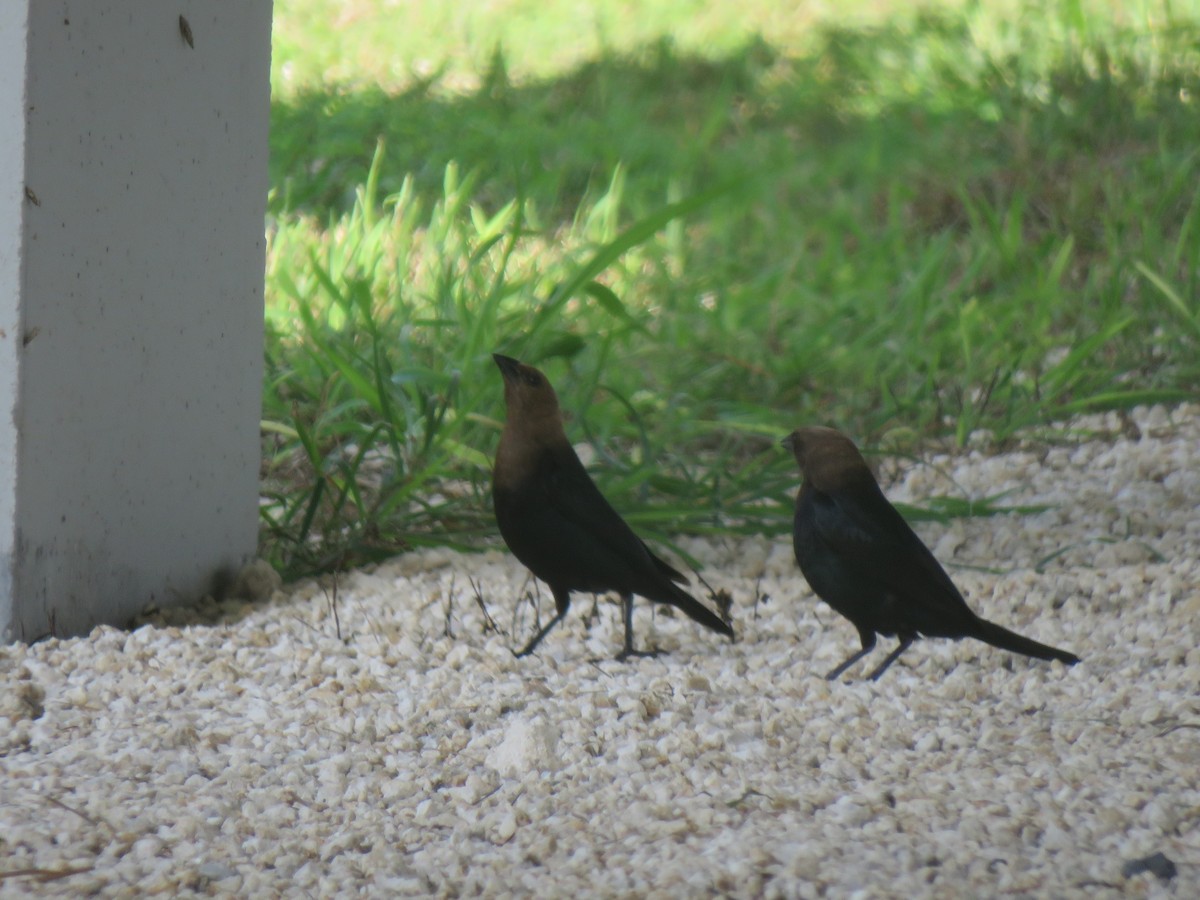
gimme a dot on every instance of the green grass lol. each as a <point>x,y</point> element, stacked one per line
<point>709,224</point>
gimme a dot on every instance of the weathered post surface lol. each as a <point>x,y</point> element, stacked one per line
<point>133,182</point>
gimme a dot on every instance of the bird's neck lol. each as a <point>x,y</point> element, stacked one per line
<point>522,450</point>
<point>839,473</point>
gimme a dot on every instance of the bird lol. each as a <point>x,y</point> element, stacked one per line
<point>557,523</point>
<point>860,556</point>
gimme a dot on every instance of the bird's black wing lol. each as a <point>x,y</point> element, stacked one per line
<point>558,523</point>
<point>579,542</point>
<point>571,493</point>
<point>867,533</point>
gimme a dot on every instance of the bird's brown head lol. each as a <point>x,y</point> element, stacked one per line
<point>529,398</point>
<point>828,459</point>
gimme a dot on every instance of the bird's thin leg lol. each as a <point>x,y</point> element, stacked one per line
<point>868,644</point>
<point>905,643</point>
<point>594,614</point>
<point>537,638</point>
<point>627,611</point>
<point>851,660</point>
<point>562,603</point>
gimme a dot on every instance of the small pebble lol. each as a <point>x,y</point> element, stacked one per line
<point>1156,864</point>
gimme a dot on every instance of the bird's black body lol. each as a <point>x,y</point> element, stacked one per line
<point>559,525</point>
<point>860,556</point>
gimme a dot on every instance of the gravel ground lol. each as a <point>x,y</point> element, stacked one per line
<point>262,755</point>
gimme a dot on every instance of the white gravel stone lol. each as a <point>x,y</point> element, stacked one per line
<point>414,756</point>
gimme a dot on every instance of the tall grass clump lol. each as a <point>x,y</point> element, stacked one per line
<point>381,401</point>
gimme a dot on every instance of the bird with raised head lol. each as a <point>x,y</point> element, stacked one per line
<point>860,556</point>
<point>559,525</point>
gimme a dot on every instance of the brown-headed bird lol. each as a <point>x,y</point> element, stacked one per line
<point>558,524</point>
<point>859,556</point>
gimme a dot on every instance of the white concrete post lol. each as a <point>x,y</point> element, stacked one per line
<point>133,182</point>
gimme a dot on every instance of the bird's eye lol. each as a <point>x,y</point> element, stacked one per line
<point>532,379</point>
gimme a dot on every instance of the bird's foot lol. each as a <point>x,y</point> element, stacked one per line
<point>527,649</point>
<point>629,651</point>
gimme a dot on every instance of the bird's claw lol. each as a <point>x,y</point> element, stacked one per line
<point>629,651</point>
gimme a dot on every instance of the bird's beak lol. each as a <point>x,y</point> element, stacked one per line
<point>508,366</point>
<point>789,442</point>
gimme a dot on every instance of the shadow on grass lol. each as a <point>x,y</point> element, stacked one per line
<point>870,117</point>
<point>894,164</point>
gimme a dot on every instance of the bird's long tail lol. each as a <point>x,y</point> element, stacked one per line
<point>1001,637</point>
<point>693,609</point>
